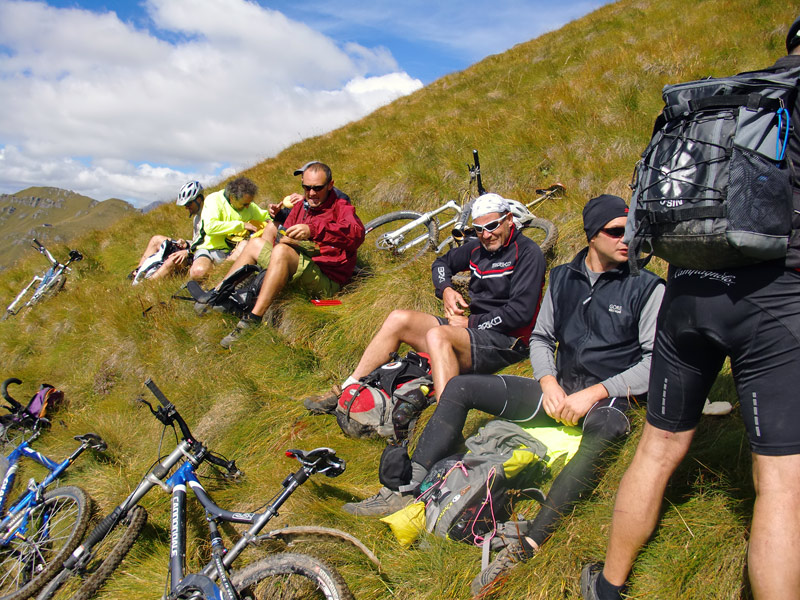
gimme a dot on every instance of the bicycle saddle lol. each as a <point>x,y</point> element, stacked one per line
<point>94,441</point>
<point>320,460</point>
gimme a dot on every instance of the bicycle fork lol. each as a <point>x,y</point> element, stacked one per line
<point>12,308</point>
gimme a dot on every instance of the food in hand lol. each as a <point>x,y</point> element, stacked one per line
<point>287,202</point>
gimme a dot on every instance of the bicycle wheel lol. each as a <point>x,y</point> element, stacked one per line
<point>290,575</point>
<point>385,252</point>
<point>55,528</point>
<point>543,232</point>
<point>54,287</point>
<point>107,555</point>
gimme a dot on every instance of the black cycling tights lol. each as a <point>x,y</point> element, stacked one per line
<point>519,399</point>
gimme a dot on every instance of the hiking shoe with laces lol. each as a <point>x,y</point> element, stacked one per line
<point>243,327</point>
<point>589,575</point>
<point>508,558</point>
<point>323,403</point>
<point>385,502</point>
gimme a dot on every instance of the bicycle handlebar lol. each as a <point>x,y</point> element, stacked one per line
<point>168,414</point>
<point>14,406</point>
<point>477,170</point>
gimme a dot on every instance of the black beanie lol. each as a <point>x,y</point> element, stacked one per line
<point>792,39</point>
<point>599,211</point>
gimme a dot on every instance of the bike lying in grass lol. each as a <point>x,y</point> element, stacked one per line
<point>399,238</point>
<point>46,284</point>
<point>288,575</point>
<point>42,527</point>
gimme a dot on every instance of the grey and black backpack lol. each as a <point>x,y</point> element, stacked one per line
<point>467,495</point>
<point>236,294</point>
<point>713,188</point>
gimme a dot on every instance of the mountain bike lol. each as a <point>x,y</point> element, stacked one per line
<point>42,527</point>
<point>287,575</point>
<point>396,239</point>
<point>47,284</point>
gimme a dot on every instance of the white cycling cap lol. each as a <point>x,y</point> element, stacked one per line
<point>489,203</point>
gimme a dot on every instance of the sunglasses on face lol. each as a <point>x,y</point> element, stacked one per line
<point>316,188</point>
<point>614,232</point>
<point>490,226</point>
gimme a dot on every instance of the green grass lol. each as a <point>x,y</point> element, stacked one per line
<point>575,106</point>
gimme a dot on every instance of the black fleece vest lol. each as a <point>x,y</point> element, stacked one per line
<point>597,328</point>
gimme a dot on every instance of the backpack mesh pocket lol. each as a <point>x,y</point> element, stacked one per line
<point>757,195</point>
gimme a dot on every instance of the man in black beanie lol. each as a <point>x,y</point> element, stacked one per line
<point>590,352</point>
<point>750,314</point>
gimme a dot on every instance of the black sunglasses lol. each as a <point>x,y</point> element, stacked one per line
<point>490,226</point>
<point>614,232</point>
<point>316,188</point>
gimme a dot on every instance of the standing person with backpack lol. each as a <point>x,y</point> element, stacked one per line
<point>190,197</point>
<point>752,315</point>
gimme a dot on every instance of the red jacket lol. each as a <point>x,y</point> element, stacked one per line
<point>338,232</point>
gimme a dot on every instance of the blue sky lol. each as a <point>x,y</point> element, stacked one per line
<point>131,99</point>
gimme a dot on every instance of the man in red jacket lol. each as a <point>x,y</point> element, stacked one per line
<point>315,249</point>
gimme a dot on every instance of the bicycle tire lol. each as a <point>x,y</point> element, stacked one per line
<point>31,562</point>
<point>384,257</point>
<point>54,287</point>
<point>290,575</point>
<point>543,232</point>
<point>108,553</point>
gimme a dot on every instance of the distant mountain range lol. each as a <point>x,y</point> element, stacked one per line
<point>52,215</point>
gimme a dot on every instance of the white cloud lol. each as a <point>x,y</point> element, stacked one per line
<point>94,104</point>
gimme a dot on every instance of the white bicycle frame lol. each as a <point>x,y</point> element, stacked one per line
<point>393,239</point>
<point>44,282</point>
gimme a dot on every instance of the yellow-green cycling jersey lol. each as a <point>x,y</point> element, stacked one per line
<point>221,220</point>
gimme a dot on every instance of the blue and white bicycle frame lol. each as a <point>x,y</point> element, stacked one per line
<point>216,570</point>
<point>51,279</point>
<point>14,522</point>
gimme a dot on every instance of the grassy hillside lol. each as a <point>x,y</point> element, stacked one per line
<point>51,215</point>
<point>575,106</point>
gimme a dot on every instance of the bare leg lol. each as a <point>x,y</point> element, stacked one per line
<point>200,268</point>
<point>401,326</point>
<point>639,497</point>
<point>248,255</point>
<point>282,265</point>
<point>774,552</point>
<point>449,349</point>
<point>170,265</point>
<point>152,246</point>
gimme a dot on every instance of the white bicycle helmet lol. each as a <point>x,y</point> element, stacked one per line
<point>190,191</point>
<point>522,215</point>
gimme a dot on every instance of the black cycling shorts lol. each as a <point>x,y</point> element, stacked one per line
<point>491,350</point>
<point>752,315</point>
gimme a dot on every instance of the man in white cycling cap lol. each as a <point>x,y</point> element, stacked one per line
<point>506,279</point>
